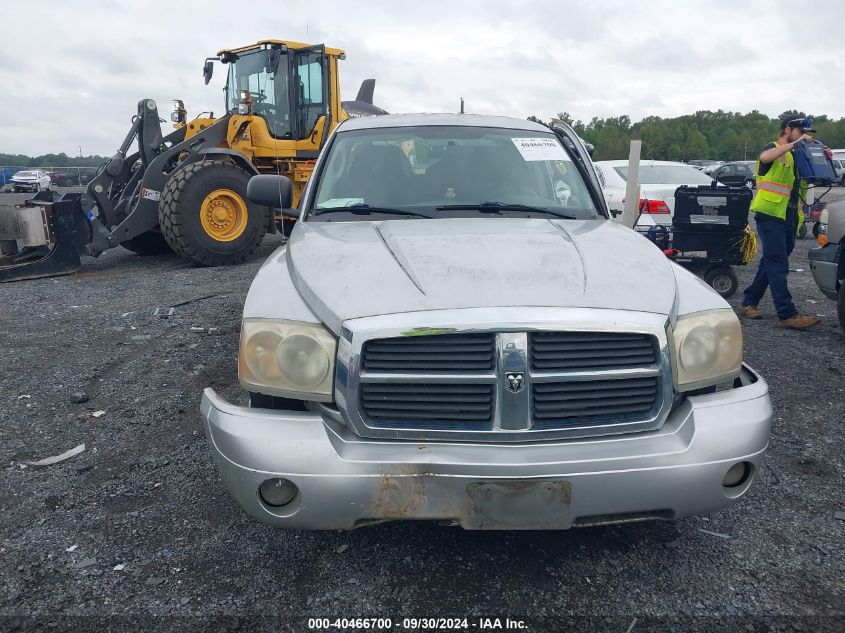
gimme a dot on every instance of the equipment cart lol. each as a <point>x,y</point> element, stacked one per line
<point>709,233</point>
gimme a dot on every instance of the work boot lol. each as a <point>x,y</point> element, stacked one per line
<point>750,312</point>
<point>800,321</point>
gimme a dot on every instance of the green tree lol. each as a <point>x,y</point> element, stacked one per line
<point>696,145</point>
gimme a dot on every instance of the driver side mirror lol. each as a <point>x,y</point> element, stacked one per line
<point>207,71</point>
<point>270,190</point>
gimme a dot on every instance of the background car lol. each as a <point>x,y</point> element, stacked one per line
<point>31,180</point>
<point>658,181</point>
<point>826,262</point>
<point>700,164</point>
<point>709,169</point>
<point>65,178</point>
<point>737,174</point>
<point>839,166</point>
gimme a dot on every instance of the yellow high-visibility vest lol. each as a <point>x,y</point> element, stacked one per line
<point>774,188</point>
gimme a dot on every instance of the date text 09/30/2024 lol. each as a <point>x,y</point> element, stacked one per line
<point>436,624</point>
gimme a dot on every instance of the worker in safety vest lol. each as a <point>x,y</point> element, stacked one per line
<point>777,207</point>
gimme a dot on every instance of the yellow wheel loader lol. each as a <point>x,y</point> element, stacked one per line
<point>186,191</point>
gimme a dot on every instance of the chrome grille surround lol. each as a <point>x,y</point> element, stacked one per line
<point>512,419</point>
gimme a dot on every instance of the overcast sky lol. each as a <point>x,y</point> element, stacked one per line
<point>73,72</point>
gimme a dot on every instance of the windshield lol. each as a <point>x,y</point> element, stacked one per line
<point>431,170</point>
<point>667,175</point>
<point>269,89</point>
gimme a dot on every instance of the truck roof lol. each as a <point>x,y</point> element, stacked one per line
<point>459,120</point>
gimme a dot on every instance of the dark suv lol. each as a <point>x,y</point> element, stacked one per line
<point>735,175</point>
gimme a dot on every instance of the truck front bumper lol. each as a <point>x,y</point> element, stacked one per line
<point>345,481</point>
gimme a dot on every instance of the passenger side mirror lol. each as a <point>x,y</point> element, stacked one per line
<point>207,71</point>
<point>269,190</point>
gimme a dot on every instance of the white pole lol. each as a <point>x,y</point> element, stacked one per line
<point>632,190</point>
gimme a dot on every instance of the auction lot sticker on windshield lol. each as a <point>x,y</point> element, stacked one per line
<point>543,148</point>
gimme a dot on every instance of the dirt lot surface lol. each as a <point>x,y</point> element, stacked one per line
<point>139,525</point>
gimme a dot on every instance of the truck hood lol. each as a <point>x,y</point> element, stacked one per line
<point>346,270</point>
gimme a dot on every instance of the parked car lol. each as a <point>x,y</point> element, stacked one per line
<point>700,164</point>
<point>658,181</point>
<point>465,343</point>
<point>31,180</point>
<point>709,169</point>
<point>737,174</point>
<point>839,166</point>
<point>86,174</point>
<point>828,262</point>
<point>65,178</point>
<point>7,172</point>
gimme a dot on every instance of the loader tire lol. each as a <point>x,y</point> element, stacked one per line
<point>205,217</point>
<point>148,243</point>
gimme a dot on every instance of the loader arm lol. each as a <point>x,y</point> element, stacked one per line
<point>126,191</point>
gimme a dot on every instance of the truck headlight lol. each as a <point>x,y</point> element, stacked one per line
<point>287,358</point>
<point>707,349</point>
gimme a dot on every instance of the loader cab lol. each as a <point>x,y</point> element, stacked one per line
<point>288,86</point>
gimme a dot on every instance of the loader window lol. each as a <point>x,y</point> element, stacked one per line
<point>269,90</point>
<point>309,101</point>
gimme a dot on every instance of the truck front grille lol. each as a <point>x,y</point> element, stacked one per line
<point>446,352</point>
<point>428,406</point>
<point>507,386</point>
<point>584,351</point>
<point>565,403</point>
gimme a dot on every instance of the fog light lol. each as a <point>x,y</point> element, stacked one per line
<point>736,475</point>
<point>277,492</point>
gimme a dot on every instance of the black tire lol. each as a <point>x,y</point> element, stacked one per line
<point>816,228</point>
<point>802,233</point>
<point>723,280</point>
<point>179,214</point>
<point>840,304</point>
<point>149,243</point>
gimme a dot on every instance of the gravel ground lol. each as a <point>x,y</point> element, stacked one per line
<point>88,362</point>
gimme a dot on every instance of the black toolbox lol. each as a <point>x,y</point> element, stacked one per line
<point>712,208</point>
<point>708,233</point>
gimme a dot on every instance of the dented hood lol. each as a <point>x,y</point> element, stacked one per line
<point>346,270</point>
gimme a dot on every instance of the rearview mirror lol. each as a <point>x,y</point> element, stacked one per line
<point>207,71</point>
<point>269,190</point>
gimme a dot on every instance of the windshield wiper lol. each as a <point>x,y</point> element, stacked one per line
<point>366,209</point>
<point>498,207</point>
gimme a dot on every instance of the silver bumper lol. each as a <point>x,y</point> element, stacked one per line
<point>345,481</point>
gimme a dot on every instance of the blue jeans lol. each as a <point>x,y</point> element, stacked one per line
<point>778,240</point>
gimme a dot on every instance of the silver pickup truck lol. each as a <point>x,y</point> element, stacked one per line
<point>456,331</point>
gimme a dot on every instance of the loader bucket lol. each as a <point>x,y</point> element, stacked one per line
<point>44,238</point>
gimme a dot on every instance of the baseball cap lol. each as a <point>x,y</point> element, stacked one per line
<point>805,124</point>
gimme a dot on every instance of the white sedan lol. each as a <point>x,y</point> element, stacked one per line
<point>31,180</point>
<point>658,181</point>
